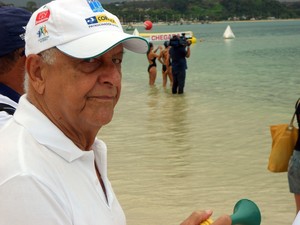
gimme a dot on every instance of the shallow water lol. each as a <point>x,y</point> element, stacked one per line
<point>169,155</point>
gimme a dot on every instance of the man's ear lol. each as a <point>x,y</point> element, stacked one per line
<point>34,67</point>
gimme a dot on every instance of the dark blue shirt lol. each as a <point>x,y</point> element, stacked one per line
<point>10,93</point>
<point>178,58</point>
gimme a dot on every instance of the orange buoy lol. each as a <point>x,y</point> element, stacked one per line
<point>148,25</point>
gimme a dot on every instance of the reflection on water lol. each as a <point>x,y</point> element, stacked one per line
<point>170,154</point>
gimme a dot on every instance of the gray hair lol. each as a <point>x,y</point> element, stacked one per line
<point>48,57</point>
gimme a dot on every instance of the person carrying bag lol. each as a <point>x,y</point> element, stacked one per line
<point>284,138</point>
<point>294,165</point>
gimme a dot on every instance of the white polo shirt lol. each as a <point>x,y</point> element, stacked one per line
<point>45,179</point>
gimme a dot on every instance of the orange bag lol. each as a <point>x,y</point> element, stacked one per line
<point>284,137</point>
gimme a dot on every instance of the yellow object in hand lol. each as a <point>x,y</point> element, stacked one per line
<point>207,222</point>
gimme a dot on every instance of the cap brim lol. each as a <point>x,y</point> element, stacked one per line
<point>98,43</point>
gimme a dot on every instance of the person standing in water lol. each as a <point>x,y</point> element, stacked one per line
<point>164,59</point>
<point>151,56</point>
<point>180,50</point>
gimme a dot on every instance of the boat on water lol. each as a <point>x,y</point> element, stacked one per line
<point>228,34</point>
<point>155,37</point>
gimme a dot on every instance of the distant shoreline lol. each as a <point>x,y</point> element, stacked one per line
<point>215,22</point>
<point>265,20</point>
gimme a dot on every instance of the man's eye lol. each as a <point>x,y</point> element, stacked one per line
<point>117,61</point>
<point>93,63</point>
<point>89,65</point>
<point>91,60</point>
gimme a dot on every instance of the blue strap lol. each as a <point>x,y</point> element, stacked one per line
<point>7,108</point>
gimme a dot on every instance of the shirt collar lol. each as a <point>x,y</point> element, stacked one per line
<point>9,92</point>
<point>46,133</point>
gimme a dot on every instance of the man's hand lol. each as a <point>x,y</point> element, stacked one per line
<point>197,217</point>
<point>223,220</point>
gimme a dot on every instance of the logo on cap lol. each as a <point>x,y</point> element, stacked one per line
<point>101,19</point>
<point>43,34</point>
<point>22,36</point>
<point>91,20</point>
<point>42,17</point>
<point>95,5</point>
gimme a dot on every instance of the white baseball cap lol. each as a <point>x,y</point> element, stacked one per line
<point>79,28</point>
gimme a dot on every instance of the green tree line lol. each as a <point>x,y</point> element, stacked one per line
<point>196,10</point>
<point>202,10</point>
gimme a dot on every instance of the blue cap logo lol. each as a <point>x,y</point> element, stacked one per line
<point>91,20</point>
<point>95,5</point>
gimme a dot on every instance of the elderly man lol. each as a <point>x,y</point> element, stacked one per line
<point>53,169</point>
<point>12,59</point>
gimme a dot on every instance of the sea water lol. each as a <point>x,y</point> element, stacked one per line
<point>169,155</point>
